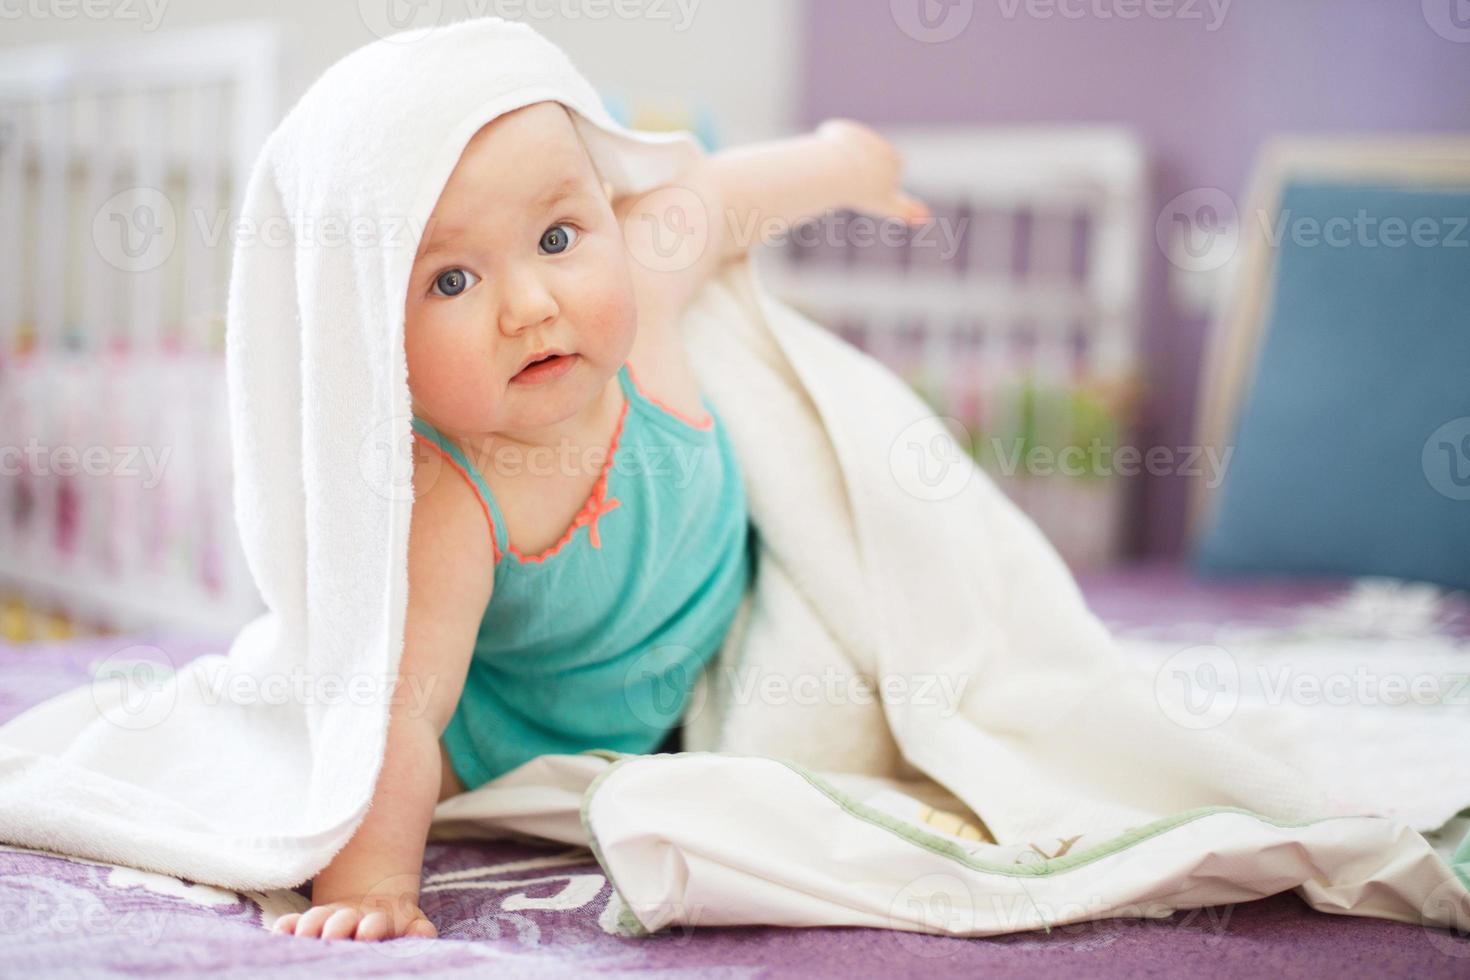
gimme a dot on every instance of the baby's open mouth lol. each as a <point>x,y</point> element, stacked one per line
<point>546,369</point>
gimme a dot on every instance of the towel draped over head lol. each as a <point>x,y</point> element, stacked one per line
<point>221,786</point>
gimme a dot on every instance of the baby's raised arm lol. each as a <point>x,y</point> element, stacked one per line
<point>370,889</point>
<point>681,233</point>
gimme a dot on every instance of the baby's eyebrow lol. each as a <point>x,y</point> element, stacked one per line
<point>559,191</point>
<point>562,189</point>
<point>438,245</point>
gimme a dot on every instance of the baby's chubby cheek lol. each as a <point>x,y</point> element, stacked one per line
<point>607,321</point>
<point>453,385</point>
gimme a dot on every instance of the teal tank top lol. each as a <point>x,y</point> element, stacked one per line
<point>597,641</point>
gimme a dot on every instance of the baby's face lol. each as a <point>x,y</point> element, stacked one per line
<point>521,254</point>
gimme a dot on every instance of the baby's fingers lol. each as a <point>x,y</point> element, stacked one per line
<point>912,210</point>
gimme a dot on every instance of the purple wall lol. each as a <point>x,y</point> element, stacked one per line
<point>1202,99</point>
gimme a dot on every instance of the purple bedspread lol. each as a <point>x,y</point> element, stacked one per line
<point>525,910</point>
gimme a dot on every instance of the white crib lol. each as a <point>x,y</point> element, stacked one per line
<point>120,166</point>
<point>1015,313</point>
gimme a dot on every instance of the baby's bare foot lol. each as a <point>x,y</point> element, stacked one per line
<point>368,921</point>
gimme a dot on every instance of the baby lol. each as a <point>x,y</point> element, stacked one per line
<point>564,577</point>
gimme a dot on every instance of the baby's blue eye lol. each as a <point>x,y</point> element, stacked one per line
<point>452,282</point>
<point>558,238</point>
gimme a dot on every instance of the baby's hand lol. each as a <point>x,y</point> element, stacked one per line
<point>371,918</point>
<point>876,166</point>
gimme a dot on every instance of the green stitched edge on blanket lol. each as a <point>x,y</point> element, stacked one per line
<point>1460,862</point>
<point>627,921</point>
<point>1046,866</point>
<point>946,848</point>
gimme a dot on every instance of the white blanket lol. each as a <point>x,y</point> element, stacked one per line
<point>1072,784</point>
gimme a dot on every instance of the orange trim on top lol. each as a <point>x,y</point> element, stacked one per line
<point>494,548</point>
<point>708,421</point>
<point>598,503</point>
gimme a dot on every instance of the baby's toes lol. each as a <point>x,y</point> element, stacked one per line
<point>314,918</point>
<point>286,923</point>
<point>422,928</point>
<point>373,927</point>
<point>341,924</point>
